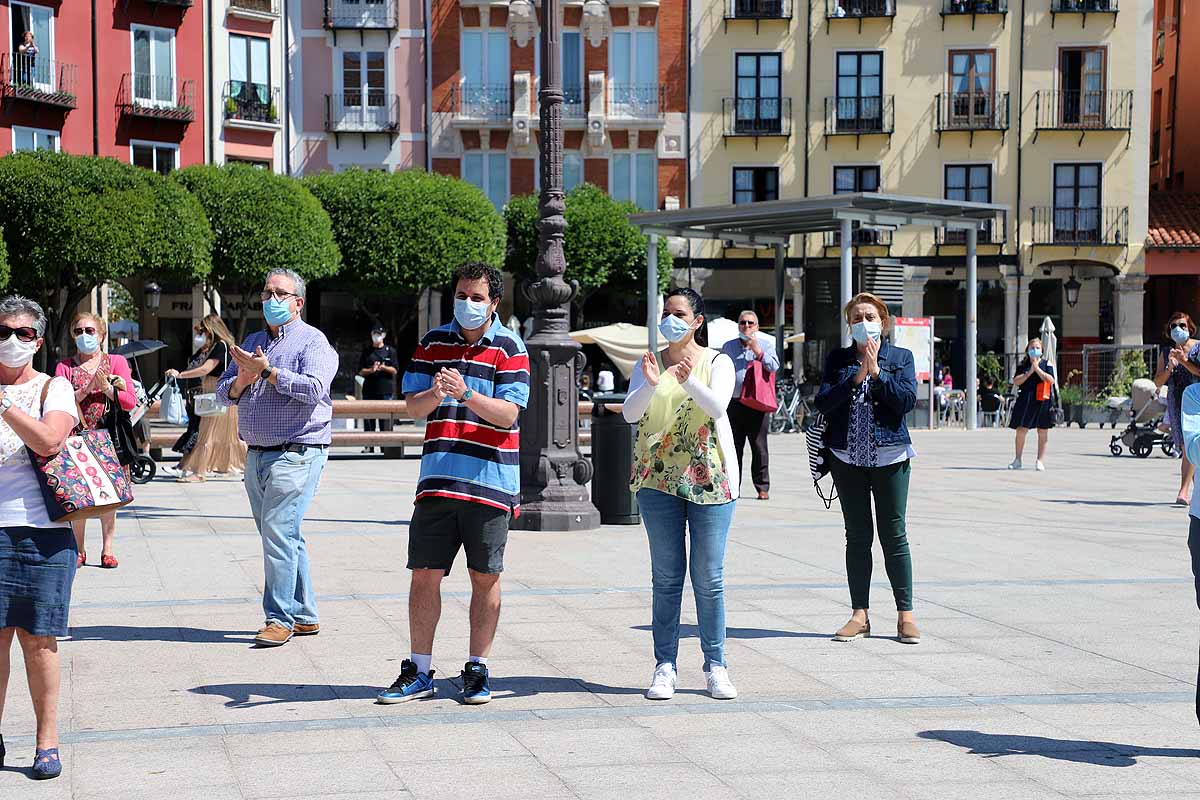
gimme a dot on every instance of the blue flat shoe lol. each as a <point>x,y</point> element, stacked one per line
<point>46,764</point>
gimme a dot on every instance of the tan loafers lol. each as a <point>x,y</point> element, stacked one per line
<point>907,633</point>
<point>273,635</point>
<point>300,629</point>
<point>853,630</point>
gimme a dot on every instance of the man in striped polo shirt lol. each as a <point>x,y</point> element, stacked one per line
<point>470,379</point>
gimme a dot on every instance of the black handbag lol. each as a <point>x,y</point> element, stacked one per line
<point>120,428</point>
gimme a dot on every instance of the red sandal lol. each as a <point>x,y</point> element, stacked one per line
<point>108,562</point>
<point>81,559</point>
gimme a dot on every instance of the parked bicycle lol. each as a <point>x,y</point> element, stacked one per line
<point>793,412</point>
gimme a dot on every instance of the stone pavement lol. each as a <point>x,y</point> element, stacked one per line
<point>1058,661</point>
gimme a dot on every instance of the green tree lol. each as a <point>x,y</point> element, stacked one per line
<point>603,250</point>
<point>403,232</point>
<point>261,221</point>
<point>4,273</point>
<point>78,222</point>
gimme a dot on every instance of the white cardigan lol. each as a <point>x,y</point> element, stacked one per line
<point>713,399</point>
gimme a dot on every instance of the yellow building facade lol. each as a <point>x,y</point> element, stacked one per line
<point>1041,105</point>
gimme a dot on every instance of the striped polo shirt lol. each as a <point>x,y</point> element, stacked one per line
<point>465,457</point>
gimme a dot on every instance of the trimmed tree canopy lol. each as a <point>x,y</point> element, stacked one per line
<point>602,248</point>
<point>72,223</point>
<point>3,262</point>
<point>403,232</point>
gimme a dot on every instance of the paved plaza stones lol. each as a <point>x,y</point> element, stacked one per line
<point>1058,658</point>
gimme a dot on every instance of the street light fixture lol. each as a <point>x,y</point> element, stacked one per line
<point>153,294</point>
<point>1072,287</point>
<point>554,473</point>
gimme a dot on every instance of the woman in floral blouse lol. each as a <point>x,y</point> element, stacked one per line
<point>686,478</point>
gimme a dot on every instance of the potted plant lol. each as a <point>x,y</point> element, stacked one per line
<point>230,108</point>
<point>1071,396</point>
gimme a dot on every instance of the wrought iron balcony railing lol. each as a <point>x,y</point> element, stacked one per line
<point>1110,110</point>
<point>263,7</point>
<point>1097,225</point>
<point>758,9</point>
<point>991,233</point>
<point>176,3</point>
<point>636,102</point>
<point>860,237</point>
<point>952,8</point>
<point>961,111</point>
<point>860,115</point>
<point>38,80</point>
<point>157,97</point>
<point>251,102</point>
<point>1083,6</point>
<point>858,9</point>
<point>360,14</point>
<point>372,111</point>
<point>757,116</point>
<point>483,102</point>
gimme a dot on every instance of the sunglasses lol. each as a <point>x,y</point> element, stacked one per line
<point>746,322</point>
<point>80,331</point>
<point>1182,325</point>
<point>23,334</point>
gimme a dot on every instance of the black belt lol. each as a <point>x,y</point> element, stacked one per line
<point>290,447</point>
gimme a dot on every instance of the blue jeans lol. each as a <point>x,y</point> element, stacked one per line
<point>666,517</point>
<point>281,487</point>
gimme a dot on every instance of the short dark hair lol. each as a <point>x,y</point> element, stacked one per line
<point>697,303</point>
<point>1176,317</point>
<point>475,270</point>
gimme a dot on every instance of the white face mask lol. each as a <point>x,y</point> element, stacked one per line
<point>377,341</point>
<point>15,354</point>
<point>199,341</point>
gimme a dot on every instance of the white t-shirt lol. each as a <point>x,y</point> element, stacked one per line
<point>21,501</point>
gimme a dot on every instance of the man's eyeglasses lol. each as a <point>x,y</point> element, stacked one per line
<point>23,334</point>
<point>265,296</point>
<point>80,331</point>
<point>745,323</point>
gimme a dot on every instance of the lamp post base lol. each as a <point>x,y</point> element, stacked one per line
<point>558,514</point>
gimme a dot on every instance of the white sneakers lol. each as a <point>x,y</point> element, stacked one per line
<point>1016,464</point>
<point>1039,466</point>
<point>662,685</point>
<point>719,685</point>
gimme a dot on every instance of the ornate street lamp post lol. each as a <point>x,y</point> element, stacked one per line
<point>554,474</point>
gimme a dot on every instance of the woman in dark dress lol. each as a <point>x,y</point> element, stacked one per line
<point>1035,404</point>
<point>1179,368</point>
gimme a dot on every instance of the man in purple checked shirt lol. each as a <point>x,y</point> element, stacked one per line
<point>279,380</point>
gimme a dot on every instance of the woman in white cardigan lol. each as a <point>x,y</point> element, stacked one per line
<point>686,478</point>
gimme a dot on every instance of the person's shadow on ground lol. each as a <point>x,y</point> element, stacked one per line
<point>1079,751</point>
<point>173,633</point>
<point>693,632</point>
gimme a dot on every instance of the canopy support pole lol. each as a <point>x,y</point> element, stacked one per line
<point>972,326</point>
<point>780,301</point>
<point>847,276</point>
<point>652,292</point>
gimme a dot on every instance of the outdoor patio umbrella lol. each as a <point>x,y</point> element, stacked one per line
<point>1049,341</point>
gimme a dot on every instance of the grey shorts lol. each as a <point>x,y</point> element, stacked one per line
<point>440,526</point>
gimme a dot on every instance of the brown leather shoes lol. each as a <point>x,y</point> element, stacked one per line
<point>907,633</point>
<point>853,630</point>
<point>300,629</point>
<point>273,635</point>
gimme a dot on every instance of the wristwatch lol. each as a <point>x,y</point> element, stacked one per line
<point>5,405</point>
<point>266,373</point>
<point>467,395</point>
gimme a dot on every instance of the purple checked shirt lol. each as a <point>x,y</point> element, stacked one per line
<point>298,410</point>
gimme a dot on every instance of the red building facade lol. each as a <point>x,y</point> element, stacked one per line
<point>126,83</point>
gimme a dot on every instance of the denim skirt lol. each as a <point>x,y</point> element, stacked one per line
<point>37,568</point>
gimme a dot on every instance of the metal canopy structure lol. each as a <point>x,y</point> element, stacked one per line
<point>773,224</point>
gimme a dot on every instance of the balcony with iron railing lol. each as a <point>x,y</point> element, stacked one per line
<point>964,8</point>
<point>250,105</point>
<point>860,116</point>
<point>758,9</point>
<point>970,112</point>
<point>176,3</point>
<point>1110,110</point>
<point>992,233</point>
<point>254,9</point>
<point>360,14</point>
<point>482,103</point>
<point>1083,6</point>
<point>38,80</point>
<point>372,111</point>
<point>632,102</point>
<point>859,9</point>
<point>861,237</point>
<point>160,97</point>
<point>757,116</point>
<point>1096,225</point>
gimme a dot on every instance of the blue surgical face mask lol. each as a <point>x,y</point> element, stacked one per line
<point>673,328</point>
<point>87,343</point>
<point>472,314</point>
<point>867,329</point>
<point>277,312</point>
<point>1035,352</point>
<point>1179,335</point>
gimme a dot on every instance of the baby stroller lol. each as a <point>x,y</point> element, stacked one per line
<point>1142,435</point>
<point>143,468</point>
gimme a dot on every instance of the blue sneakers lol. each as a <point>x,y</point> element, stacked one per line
<point>410,685</point>
<point>475,684</point>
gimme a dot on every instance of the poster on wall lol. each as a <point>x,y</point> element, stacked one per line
<point>915,334</point>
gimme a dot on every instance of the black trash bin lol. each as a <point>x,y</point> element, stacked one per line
<point>612,462</point>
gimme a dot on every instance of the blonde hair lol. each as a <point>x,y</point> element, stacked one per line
<point>101,327</point>
<point>885,317</point>
<point>214,326</point>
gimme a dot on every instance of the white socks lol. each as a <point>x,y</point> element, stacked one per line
<point>423,662</point>
<point>478,660</point>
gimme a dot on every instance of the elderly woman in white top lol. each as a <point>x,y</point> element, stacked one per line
<point>685,474</point>
<point>37,556</point>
